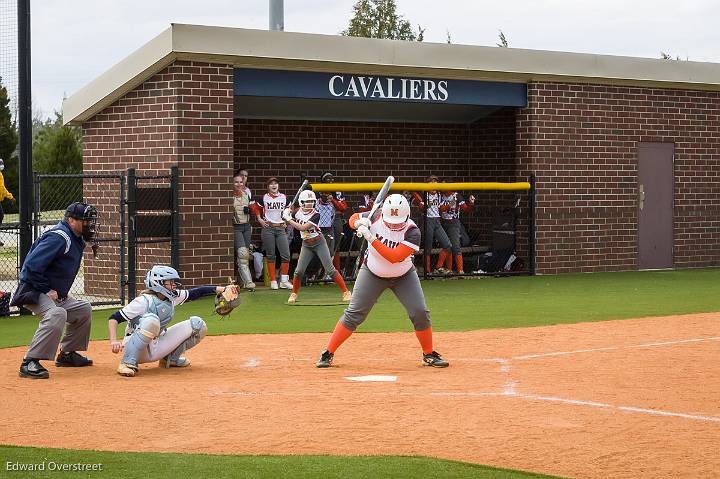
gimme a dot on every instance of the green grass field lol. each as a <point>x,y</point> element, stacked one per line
<point>158,466</point>
<point>456,305</point>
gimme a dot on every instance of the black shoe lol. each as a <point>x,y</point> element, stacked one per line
<point>72,360</point>
<point>433,359</point>
<point>325,360</point>
<point>31,368</point>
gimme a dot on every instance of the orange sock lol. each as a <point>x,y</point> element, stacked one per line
<point>338,337</point>
<point>340,281</point>
<point>284,268</point>
<point>448,261</point>
<point>459,262</point>
<point>336,261</point>
<point>425,338</point>
<point>296,285</point>
<point>271,270</point>
<point>428,260</point>
<point>441,258</point>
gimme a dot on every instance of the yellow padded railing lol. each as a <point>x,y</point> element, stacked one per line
<point>346,187</point>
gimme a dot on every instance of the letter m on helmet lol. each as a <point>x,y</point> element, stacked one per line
<point>394,212</point>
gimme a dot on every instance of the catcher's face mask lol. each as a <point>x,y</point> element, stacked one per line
<point>87,215</point>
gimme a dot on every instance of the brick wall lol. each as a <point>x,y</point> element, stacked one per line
<point>354,151</point>
<point>181,116</point>
<point>581,141</point>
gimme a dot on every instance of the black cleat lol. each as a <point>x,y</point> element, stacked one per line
<point>31,368</point>
<point>433,359</point>
<point>72,360</point>
<point>325,360</point>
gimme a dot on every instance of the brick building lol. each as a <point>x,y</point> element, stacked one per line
<point>626,151</point>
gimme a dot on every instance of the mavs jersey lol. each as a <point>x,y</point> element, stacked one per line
<point>312,217</point>
<point>409,236</point>
<point>273,206</point>
<point>433,202</point>
<point>453,203</point>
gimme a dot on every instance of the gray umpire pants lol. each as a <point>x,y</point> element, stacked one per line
<point>308,252</point>
<point>53,317</point>
<point>434,230</point>
<point>368,288</point>
<point>275,237</point>
<point>452,228</point>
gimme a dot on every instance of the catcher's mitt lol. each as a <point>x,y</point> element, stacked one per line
<point>228,300</point>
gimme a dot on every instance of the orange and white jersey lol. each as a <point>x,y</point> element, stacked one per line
<point>409,236</point>
<point>312,217</point>
<point>433,203</point>
<point>273,206</point>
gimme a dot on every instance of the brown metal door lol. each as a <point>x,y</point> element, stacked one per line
<point>655,205</point>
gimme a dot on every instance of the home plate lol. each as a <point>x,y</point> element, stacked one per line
<point>380,379</point>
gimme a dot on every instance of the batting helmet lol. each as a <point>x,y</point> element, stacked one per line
<point>395,210</point>
<point>306,197</point>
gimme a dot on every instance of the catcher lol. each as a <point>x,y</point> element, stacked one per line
<point>147,337</point>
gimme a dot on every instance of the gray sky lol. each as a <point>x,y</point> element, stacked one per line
<point>74,41</point>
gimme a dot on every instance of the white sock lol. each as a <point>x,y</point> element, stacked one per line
<point>284,278</point>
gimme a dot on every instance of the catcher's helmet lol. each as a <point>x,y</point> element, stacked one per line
<point>306,197</point>
<point>396,210</point>
<point>86,213</point>
<point>155,277</point>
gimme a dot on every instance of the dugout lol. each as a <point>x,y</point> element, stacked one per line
<point>625,150</point>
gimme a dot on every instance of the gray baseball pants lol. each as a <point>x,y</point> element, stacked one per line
<point>452,228</point>
<point>275,237</point>
<point>307,252</point>
<point>368,288</point>
<point>434,230</point>
<point>53,317</point>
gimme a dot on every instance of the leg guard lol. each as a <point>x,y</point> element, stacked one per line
<point>243,255</point>
<point>147,329</point>
<point>199,330</point>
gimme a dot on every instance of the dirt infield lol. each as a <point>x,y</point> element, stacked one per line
<point>635,398</point>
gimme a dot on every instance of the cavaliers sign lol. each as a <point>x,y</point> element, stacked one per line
<point>376,88</point>
<point>368,87</point>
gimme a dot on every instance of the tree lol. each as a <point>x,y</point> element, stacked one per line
<point>8,132</point>
<point>667,56</point>
<point>379,19</point>
<point>57,148</point>
<point>8,145</point>
<point>503,41</point>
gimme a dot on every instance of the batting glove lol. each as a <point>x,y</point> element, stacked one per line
<point>362,221</point>
<point>287,214</point>
<point>365,233</point>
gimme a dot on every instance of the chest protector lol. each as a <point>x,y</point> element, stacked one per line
<point>239,204</point>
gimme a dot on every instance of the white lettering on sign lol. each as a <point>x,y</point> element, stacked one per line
<point>388,88</point>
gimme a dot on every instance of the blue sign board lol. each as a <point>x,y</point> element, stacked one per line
<point>406,89</point>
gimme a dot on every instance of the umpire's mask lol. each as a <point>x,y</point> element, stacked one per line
<point>88,215</point>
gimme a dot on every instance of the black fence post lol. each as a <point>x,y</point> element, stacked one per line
<point>131,256</point>
<point>175,219</point>
<point>531,224</point>
<point>427,257</point>
<point>123,271</point>
<point>36,213</point>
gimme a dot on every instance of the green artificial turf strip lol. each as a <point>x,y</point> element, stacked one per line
<point>455,305</point>
<point>166,465</point>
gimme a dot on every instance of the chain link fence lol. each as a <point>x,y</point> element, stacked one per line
<point>494,237</point>
<point>100,278</point>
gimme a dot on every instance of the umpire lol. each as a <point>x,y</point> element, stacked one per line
<point>45,280</point>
